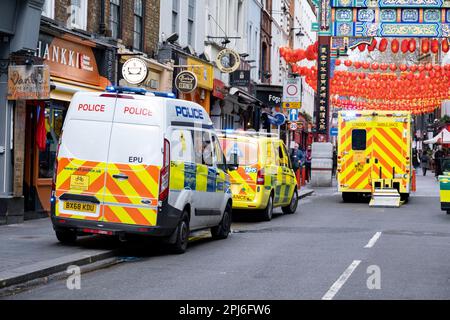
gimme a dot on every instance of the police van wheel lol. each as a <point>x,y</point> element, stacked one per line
<point>292,207</point>
<point>223,229</point>
<point>182,236</point>
<point>66,236</point>
<point>268,211</point>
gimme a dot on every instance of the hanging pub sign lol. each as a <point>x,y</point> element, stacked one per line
<point>28,82</point>
<point>134,71</point>
<point>240,78</point>
<point>228,61</point>
<point>186,82</point>
<point>323,89</point>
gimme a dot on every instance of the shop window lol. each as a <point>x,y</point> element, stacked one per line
<point>53,122</point>
<point>359,139</point>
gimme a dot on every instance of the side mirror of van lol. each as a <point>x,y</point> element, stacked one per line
<point>232,167</point>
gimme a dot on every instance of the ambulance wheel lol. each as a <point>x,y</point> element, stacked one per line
<point>292,207</point>
<point>223,229</point>
<point>66,236</point>
<point>182,236</point>
<point>348,196</point>
<point>267,213</point>
<point>404,197</point>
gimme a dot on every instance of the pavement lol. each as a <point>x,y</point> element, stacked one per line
<point>30,250</point>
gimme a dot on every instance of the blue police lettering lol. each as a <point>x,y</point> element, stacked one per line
<point>189,112</point>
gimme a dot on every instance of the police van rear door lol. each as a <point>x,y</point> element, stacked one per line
<point>82,157</point>
<point>135,159</point>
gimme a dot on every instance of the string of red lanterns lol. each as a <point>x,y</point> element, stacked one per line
<point>406,45</point>
<point>295,55</point>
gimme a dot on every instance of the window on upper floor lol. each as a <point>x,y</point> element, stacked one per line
<point>175,12</point>
<point>114,18</point>
<point>138,24</point>
<point>77,14</point>
<point>191,22</point>
<point>48,10</point>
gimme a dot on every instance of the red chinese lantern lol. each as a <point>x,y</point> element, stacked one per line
<point>372,45</point>
<point>434,46</point>
<point>425,46</point>
<point>337,62</point>
<point>393,67</point>
<point>403,67</point>
<point>366,65</point>
<point>348,63</point>
<point>384,66</point>
<point>445,46</point>
<point>375,66</point>
<point>421,68</point>
<point>412,45</point>
<point>383,45</point>
<point>405,45</point>
<point>394,46</point>
<point>429,66</point>
<point>357,64</point>
<point>362,47</point>
<point>413,68</point>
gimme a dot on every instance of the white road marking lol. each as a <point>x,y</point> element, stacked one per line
<point>372,241</point>
<point>341,281</point>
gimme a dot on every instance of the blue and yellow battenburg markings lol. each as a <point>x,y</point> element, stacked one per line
<point>197,177</point>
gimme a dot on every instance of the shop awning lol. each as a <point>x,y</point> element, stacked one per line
<point>64,90</point>
<point>245,97</point>
<point>442,137</point>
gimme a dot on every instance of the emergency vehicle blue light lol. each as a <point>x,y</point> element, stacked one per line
<point>164,94</point>
<point>229,131</point>
<point>119,89</point>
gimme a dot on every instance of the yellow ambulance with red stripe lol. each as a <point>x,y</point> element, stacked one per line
<point>374,154</point>
<point>133,162</point>
<point>264,178</point>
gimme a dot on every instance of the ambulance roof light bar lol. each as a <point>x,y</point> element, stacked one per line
<point>141,91</point>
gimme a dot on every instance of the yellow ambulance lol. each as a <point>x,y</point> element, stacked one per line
<point>264,178</point>
<point>374,155</point>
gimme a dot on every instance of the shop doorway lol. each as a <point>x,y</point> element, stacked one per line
<point>40,156</point>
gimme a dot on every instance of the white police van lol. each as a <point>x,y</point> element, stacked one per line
<point>132,162</point>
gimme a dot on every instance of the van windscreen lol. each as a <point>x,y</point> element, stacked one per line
<point>246,152</point>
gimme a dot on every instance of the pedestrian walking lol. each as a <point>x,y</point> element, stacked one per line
<point>425,162</point>
<point>334,162</point>
<point>308,159</point>
<point>415,158</point>
<point>438,155</point>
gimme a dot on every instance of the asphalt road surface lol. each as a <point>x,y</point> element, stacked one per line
<point>327,250</point>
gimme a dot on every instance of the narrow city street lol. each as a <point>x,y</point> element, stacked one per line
<point>299,256</point>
